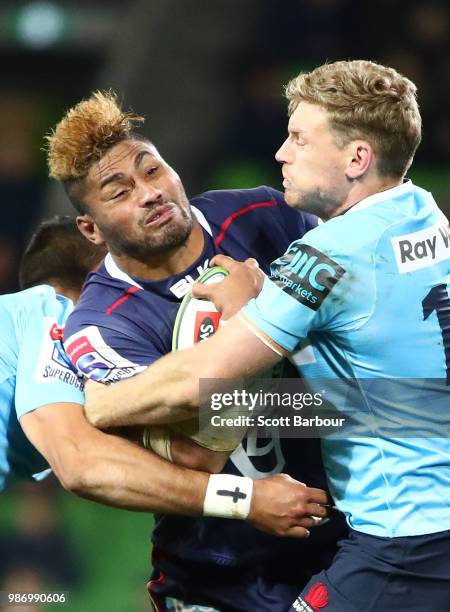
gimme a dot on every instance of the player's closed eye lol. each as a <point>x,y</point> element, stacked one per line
<point>118,195</point>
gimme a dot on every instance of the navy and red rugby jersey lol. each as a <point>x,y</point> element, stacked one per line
<point>122,324</point>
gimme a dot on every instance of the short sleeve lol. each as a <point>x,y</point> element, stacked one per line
<point>43,373</point>
<point>275,315</point>
<point>305,292</point>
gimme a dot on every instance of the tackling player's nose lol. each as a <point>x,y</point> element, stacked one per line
<point>282,155</point>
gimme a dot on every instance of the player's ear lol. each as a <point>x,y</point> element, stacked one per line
<point>361,159</point>
<point>89,229</point>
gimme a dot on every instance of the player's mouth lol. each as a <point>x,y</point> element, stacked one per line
<point>160,215</point>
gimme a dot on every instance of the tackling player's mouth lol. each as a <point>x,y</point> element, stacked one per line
<point>161,215</point>
<point>286,181</point>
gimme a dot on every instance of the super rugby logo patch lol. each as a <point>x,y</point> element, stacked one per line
<point>306,274</point>
<point>53,365</point>
<point>93,358</point>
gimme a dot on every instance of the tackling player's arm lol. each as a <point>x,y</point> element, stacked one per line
<point>107,468</point>
<point>103,352</point>
<point>116,472</point>
<point>169,389</point>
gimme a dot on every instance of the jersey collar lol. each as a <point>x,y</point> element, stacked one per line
<point>382,196</point>
<point>202,219</point>
<point>113,270</point>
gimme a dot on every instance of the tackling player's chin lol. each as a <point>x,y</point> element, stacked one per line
<point>291,197</point>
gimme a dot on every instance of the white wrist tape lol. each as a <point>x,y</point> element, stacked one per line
<point>158,440</point>
<point>228,496</point>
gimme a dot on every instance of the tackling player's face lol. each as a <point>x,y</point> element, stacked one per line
<point>137,201</point>
<point>313,166</point>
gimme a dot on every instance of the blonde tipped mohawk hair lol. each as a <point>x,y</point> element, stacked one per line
<point>84,134</point>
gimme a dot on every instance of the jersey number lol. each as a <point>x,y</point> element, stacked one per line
<point>438,300</point>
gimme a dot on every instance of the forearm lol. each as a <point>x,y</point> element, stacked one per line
<point>167,392</point>
<point>119,473</point>
<point>110,469</point>
<point>114,475</point>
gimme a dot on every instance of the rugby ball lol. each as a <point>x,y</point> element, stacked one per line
<point>197,319</point>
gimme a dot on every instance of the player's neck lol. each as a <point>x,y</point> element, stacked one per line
<point>159,267</point>
<point>365,189</point>
<point>71,294</point>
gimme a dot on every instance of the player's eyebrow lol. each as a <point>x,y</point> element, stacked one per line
<point>111,179</point>
<point>140,156</point>
<point>119,175</point>
<point>296,130</point>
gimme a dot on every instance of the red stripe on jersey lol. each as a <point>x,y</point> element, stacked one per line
<point>160,607</point>
<point>229,220</point>
<point>122,299</point>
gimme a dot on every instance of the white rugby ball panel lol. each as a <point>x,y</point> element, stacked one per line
<point>197,319</point>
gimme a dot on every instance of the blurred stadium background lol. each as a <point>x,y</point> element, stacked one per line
<point>208,75</point>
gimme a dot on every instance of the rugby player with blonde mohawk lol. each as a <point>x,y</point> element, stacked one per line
<point>131,200</point>
<point>87,131</point>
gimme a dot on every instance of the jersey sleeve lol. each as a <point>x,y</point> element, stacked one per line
<point>43,373</point>
<point>109,350</point>
<point>307,291</point>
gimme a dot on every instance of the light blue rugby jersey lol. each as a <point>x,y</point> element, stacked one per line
<point>370,288</point>
<point>33,372</point>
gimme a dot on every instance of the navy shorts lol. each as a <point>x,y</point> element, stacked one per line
<point>374,574</point>
<point>269,587</point>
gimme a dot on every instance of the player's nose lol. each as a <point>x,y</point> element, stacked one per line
<point>149,194</point>
<point>282,155</point>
